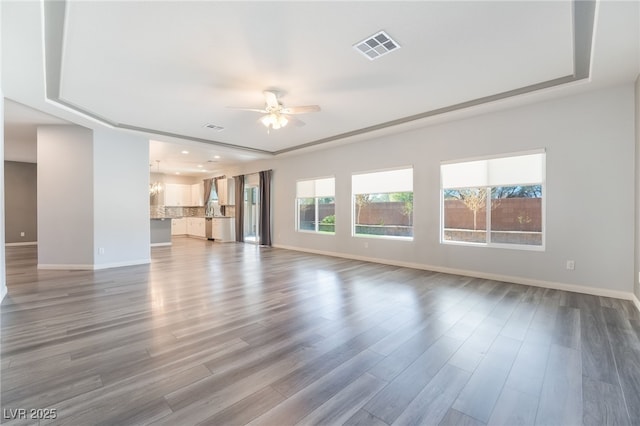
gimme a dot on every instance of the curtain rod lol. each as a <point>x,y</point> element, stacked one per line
<point>254,173</point>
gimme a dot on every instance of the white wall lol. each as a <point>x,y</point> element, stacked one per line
<point>20,150</point>
<point>172,178</point>
<point>636,275</point>
<point>65,197</point>
<point>121,199</point>
<point>3,275</point>
<point>589,141</point>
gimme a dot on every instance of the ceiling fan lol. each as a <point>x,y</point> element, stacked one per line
<point>277,115</point>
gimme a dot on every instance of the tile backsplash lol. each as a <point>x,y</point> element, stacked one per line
<point>165,211</point>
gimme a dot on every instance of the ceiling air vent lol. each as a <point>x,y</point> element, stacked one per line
<point>376,46</point>
<point>214,127</point>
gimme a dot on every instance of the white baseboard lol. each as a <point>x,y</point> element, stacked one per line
<point>160,244</point>
<point>65,267</point>
<point>636,302</point>
<point>616,294</point>
<point>121,264</point>
<point>91,267</point>
<point>26,243</point>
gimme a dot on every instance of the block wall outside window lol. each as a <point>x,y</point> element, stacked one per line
<point>496,201</point>
<point>315,205</point>
<point>383,204</point>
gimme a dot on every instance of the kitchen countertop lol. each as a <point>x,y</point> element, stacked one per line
<point>195,217</point>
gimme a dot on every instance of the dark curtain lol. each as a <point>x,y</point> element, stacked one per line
<point>265,208</point>
<point>208,183</point>
<point>239,208</point>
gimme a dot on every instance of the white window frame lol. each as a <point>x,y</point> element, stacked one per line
<point>353,203</point>
<point>488,242</point>
<point>316,194</point>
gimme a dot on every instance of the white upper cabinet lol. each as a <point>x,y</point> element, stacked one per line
<point>231,192</point>
<point>227,192</point>
<point>197,194</point>
<point>177,194</point>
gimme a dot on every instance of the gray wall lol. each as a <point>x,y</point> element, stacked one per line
<point>65,197</point>
<point>21,202</point>
<point>590,145</point>
<point>121,199</point>
<point>93,189</point>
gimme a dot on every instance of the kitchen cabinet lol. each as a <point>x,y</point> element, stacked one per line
<point>177,194</point>
<point>195,227</point>
<point>191,226</point>
<point>197,194</point>
<point>179,226</point>
<point>227,192</point>
<point>223,229</point>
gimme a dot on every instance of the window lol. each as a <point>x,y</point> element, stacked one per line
<point>383,204</point>
<point>315,205</point>
<point>496,201</point>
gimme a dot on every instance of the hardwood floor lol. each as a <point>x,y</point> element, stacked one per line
<point>232,334</point>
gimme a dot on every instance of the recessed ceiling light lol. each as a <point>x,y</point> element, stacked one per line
<point>199,165</point>
<point>376,46</point>
<point>216,156</point>
<point>185,152</point>
<point>177,173</point>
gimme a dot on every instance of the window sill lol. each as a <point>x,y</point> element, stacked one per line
<point>302,231</point>
<point>382,237</point>
<point>494,245</point>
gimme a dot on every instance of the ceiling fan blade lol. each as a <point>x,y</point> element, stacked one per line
<point>295,121</point>
<point>271,98</point>
<point>249,109</point>
<point>301,109</point>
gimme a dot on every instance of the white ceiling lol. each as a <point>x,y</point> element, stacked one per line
<point>167,68</point>
<point>20,132</point>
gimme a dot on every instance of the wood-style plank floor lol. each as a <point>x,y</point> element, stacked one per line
<point>233,334</point>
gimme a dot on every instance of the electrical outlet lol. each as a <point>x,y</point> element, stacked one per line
<point>366,245</point>
<point>101,250</point>
<point>22,234</point>
<point>571,265</point>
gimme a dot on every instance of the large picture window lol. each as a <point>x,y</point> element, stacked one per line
<point>495,201</point>
<point>315,205</point>
<point>383,204</point>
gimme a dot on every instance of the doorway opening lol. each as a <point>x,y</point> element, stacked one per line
<point>251,214</point>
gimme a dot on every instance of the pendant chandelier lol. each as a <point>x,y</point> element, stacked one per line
<point>156,187</point>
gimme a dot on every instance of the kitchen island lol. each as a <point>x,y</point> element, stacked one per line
<point>160,231</point>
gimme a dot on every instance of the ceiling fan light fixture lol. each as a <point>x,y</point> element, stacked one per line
<point>276,115</point>
<point>274,121</point>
